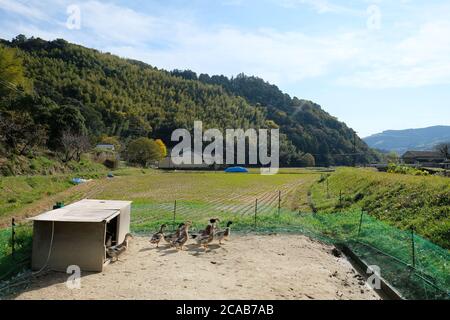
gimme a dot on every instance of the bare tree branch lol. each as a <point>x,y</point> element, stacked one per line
<point>73,146</point>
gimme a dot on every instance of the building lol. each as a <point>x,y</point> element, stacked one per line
<point>169,162</point>
<point>105,147</point>
<point>106,154</point>
<point>423,157</point>
<point>447,165</point>
<point>78,234</point>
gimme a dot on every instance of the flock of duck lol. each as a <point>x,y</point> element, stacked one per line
<point>203,238</point>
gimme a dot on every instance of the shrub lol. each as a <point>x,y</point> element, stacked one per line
<point>393,168</point>
<point>162,147</point>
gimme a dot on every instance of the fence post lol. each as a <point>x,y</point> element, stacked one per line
<point>174,212</point>
<point>413,248</point>
<point>279,201</point>
<point>256,210</point>
<point>328,190</point>
<point>13,237</point>
<point>340,198</point>
<point>360,223</point>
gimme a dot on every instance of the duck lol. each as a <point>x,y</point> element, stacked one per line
<point>156,238</point>
<point>126,242</point>
<point>204,239</point>
<point>207,230</point>
<point>223,234</point>
<point>109,237</point>
<point>171,237</point>
<point>183,237</point>
<point>113,252</point>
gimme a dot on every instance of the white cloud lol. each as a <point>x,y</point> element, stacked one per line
<point>418,60</point>
<point>119,24</point>
<point>277,57</point>
<point>320,6</point>
<point>17,7</point>
<point>357,58</point>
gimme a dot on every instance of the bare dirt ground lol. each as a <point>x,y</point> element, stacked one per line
<point>246,267</point>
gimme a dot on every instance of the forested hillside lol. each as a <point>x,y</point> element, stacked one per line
<point>66,87</point>
<point>306,125</point>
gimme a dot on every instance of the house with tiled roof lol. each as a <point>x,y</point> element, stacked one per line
<point>423,157</point>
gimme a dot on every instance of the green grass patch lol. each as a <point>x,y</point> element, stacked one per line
<point>16,192</point>
<point>404,201</point>
<point>11,264</point>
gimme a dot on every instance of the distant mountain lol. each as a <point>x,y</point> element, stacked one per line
<point>410,139</point>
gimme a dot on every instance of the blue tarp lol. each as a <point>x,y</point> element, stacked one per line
<point>79,180</point>
<point>236,170</point>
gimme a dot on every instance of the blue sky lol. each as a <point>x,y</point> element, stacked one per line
<point>375,64</point>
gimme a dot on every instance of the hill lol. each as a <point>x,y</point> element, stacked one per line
<point>411,139</point>
<point>403,201</point>
<point>84,90</point>
<point>304,122</point>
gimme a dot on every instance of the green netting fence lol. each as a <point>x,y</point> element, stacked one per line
<point>15,249</point>
<point>415,267</point>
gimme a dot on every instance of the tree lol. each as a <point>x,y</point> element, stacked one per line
<point>84,91</point>
<point>11,71</point>
<point>19,134</point>
<point>137,127</point>
<point>19,39</point>
<point>66,119</point>
<point>142,151</point>
<point>444,149</point>
<point>392,157</point>
<point>185,74</point>
<point>73,145</point>
<point>307,160</point>
<point>162,147</point>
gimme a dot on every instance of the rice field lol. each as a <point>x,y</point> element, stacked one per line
<point>254,202</point>
<point>172,197</point>
<point>199,196</point>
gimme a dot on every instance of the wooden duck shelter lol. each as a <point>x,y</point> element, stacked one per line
<point>78,234</point>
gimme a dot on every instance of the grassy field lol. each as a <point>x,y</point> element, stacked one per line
<point>401,200</point>
<point>404,201</point>
<point>17,192</point>
<point>200,196</point>
<point>24,195</point>
<point>142,186</point>
<point>21,196</point>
